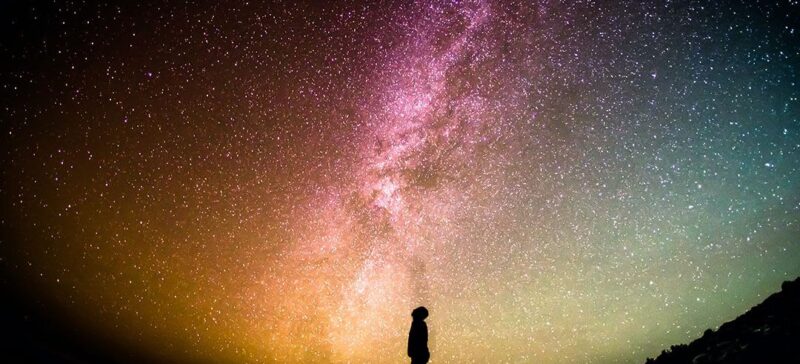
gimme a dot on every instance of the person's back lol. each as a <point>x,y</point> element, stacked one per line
<point>418,337</point>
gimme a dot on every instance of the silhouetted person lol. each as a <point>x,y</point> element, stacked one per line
<point>418,337</point>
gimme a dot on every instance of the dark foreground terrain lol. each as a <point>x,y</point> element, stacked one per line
<point>767,333</point>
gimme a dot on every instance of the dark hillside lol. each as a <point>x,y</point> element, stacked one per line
<point>767,333</point>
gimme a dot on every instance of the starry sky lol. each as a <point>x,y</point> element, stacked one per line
<point>557,181</point>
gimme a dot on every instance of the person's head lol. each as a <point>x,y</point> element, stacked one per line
<point>419,313</point>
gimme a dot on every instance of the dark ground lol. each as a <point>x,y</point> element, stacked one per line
<point>767,333</point>
<point>31,333</point>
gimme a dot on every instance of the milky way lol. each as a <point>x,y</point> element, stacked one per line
<point>558,182</point>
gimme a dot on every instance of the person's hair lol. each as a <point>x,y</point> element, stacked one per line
<point>419,313</point>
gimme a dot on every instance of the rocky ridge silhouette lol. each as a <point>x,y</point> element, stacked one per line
<point>767,333</point>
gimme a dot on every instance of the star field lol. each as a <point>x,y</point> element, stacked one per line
<point>558,182</point>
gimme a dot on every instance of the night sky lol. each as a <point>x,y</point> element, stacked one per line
<point>558,182</point>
